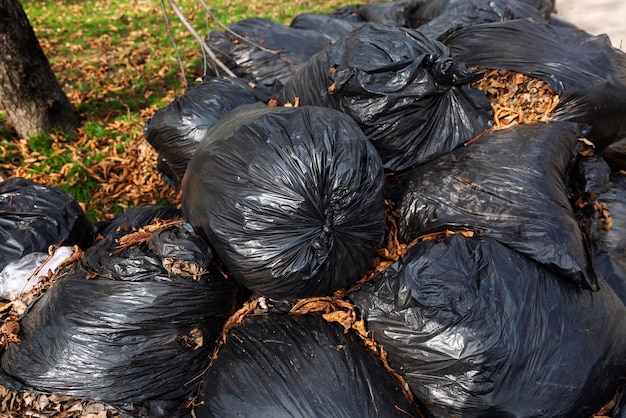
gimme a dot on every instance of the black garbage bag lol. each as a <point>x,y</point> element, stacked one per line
<point>511,185</point>
<point>615,155</point>
<point>270,52</point>
<point>290,199</point>
<point>615,238</point>
<point>407,92</point>
<point>34,216</point>
<point>442,17</point>
<point>611,271</point>
<point>399,13</point>
<point>479,330</point>
<point>131,326</point>
<point>175,130</point>
<point>131,219</point>
<point>332,27</point>
<point>279,365</point>
<point>586,72</point>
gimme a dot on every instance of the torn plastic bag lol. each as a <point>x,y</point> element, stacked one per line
<point>125,327</point>
<point>175,130</point>
<point>21,276</point>
<point>34,216</point>
<point>442,17</point>
<point>585,71</point>
<point>289,198</point>
<point>511,184</point>
<point>332,27</point>
<point>279,365</point>
<point>407,92</point>
<point>479,330</point>
<point>270,52</point>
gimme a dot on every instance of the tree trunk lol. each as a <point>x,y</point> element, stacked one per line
<point>30,94</point>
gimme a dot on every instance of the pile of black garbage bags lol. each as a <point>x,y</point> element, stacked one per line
<point>335,129</point>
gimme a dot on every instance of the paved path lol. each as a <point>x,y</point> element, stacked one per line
<point>596,17</point>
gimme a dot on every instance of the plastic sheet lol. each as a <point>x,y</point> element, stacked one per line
<point>280,365</point>
<point>407,92</point>
<point>477,329</point>
<point>34,216</point>
<point>289,198</point>
<point>512,185</point>
<point>123,329</point>
<point>175,130</point>
<point>22,275</point>
<point>585,71</point>
<point>270,53</point>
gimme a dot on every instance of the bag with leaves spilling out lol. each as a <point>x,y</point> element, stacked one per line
<point>175,130</point>
<point>478,329</point>
<point>408,93</point>
<point>34,216</point>
<point>511,185</point>
<point>131,326</point>
<point>289,198</point>
<point>281,365</point>
<point>585,71</point>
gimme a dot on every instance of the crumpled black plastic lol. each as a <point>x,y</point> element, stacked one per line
<point>34,216</point>
<point>615,238</point>
<point>332,27</point>
<point>121,328</point>
<point>477,329</point>
<point>511,185</point>
<point>586,72</point>
<point>280,365</point>
<point>291,48</point>
<point>289,198</point>
<point>133,218</point>
<point>175,130</point>
<point>440,18</point>
<point>407,92</point>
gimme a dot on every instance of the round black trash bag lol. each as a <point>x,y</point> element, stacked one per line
<point>479,330</point>
<point>175,130</point>
<point>407,92</point>
<point>131,326</point>
<point>280,365</point>
<point>289,198</point>
<point>511,185</point>
<point>34,216</point>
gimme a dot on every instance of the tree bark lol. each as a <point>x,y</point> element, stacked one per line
<point>30,93</point>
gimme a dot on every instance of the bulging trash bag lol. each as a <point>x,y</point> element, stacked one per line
<point>34,216</point>
<point>131,219</point>
<point>586,72</point>
<point>279,365</point>
<point>611,271</point>
<point>615,155</point>
<point>269,52</point>
<point>332,27</point>
<point>395,13</point>
<point>289,198</point>
<point>131,326</point>
<point>175,130</point>
<point>479,330</point>
<point>511,185</point>
<point>407,92</point>
<point>443,17</point>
